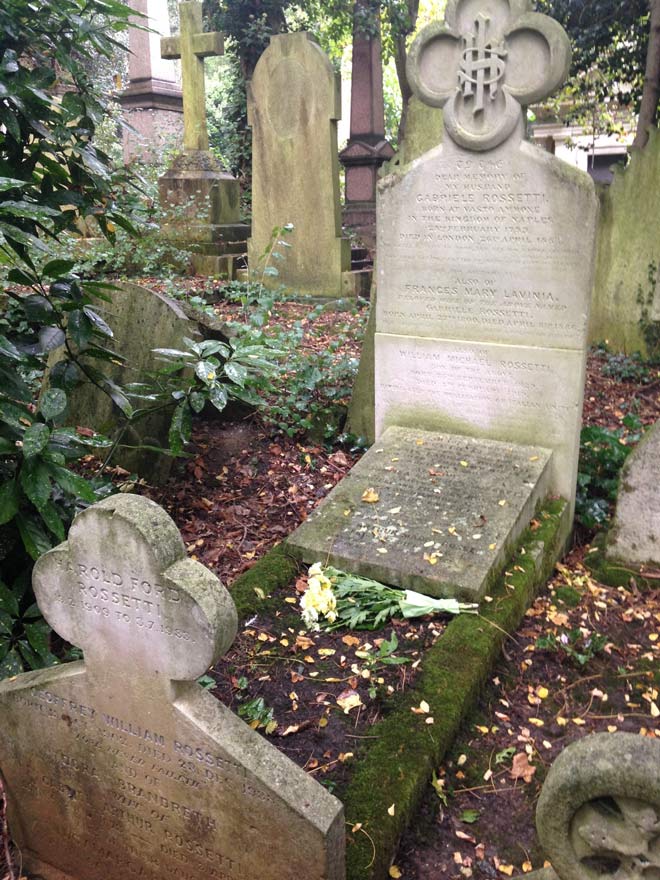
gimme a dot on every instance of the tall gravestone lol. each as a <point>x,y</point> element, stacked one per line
<point>121,765</point>
<point>486,247</point>
<point>152,102</point>
<point>201,198</point>
<point>293,108</point>
<point>485,264</point>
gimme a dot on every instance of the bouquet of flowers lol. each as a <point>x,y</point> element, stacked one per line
<point>334,599</point>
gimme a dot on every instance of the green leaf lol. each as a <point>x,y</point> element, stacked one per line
<point>80,328</point>
<point>180,428</point>
<point>50,515</point>
<point>72,483</point>
<point>218,396</point>
<point>38,635</point>
<point>469,816</point>
<point>207,371</point>
<point>53,403</point>
<point>197,401</point>
<point>8,601</point>
<point>11,664</point>
<point>51,338</point>
<point>236,373</point>
<point>58,268</point>
<point>35,540</point>
<point>9,501</point>
<point>98,322</point>
<point>35,439</point>
<point>35,482</point>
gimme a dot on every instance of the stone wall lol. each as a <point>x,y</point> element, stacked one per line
<point>628,243</point>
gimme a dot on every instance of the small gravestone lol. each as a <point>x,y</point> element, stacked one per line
<point>294,104</point>
<point>635,533</point>
<point>141,320</point>
<point>121,765</point>
<point>485,264</point>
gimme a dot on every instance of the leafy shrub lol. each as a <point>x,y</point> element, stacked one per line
<point>602,455</point>
<point>579,644</point>
<point>628,368</point>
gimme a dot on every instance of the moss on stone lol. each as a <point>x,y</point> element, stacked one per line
<point>399,764</point>
<point>252,591</point>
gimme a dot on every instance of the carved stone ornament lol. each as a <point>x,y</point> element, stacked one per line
<point>598,815</point>
<point>486,61</point>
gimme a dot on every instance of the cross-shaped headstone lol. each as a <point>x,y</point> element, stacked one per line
<point>482,64</point>
<point>192,46</point>
<point>122,764</point>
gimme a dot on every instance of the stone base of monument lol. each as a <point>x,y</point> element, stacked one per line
<point>357,283</point>
<point>202,205</point>
<point>436,513</point>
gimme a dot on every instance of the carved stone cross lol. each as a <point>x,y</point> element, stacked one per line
<point>192,46</point>
<point>486,61</point>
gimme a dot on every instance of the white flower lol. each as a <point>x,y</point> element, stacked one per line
<point>316,569</point>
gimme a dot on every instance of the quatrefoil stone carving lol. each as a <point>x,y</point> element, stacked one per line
<point>484,63</point>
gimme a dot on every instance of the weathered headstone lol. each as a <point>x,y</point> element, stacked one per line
<point>599,810</point>
<point>121,765</point>
<point>485,261</point>
<point>367,146</point>
<point>152,101</point>
<point>486,247</point>
<point>203,199</point>
<point>634,536</point>
<point>293,108</point>
<point>141,320</point>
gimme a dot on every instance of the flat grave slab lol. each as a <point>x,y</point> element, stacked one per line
<point>431,512</point>
<point>122,765</point>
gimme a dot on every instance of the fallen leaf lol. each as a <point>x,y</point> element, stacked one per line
<point>370,496</point>
<point>394,871</point>
<point>521,768</point>
<point>349,699</point>
<point>391,810</point>
<point>506,869</point>
<point>326,652</point>
<point>350,641</point>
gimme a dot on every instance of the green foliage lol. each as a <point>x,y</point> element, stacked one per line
<point>24,634</point>
<point>579,644</point>
<point>602,454</point>
<point>213,373</point>
<point>374,659</point>
<point>628,368</point>
<point>649,327</point>
<point>52,176</point>
<point>258,714</point>
<point>609,37</point>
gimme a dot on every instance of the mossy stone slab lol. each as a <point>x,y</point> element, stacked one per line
<point>431,512</point>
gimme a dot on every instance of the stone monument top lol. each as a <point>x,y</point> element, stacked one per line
<point>192,46</point>
<point>487,60</point>
<point>122,764</point>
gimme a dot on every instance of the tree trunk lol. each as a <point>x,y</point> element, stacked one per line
<point>400,63</point>
<point>648,111</point>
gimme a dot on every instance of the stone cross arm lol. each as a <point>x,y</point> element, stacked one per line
<point>204,45</point>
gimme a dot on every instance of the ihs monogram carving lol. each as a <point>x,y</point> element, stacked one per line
<point>484,63</point>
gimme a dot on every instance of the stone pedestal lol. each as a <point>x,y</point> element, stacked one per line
<point>203,206</point>
<point>367,147</point>
<point>152,103</point>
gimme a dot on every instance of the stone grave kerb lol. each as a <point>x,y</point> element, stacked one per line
<point>163,618</point>
<point>484,63</point>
